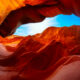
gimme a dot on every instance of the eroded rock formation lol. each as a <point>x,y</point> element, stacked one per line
<point>26,11</point>
<point>51,55</point>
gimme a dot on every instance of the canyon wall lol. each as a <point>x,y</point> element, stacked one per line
<point>53,54</point>
<point>15,12</point>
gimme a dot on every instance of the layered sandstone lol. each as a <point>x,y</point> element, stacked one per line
<point>51,55</point>
<point>14,12</point>
<point>45,56</point>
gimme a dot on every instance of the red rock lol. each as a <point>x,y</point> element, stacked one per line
<point>51,55</point>
<point>46,56</point>
<point>34,11</point>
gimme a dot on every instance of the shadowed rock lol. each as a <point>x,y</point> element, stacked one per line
<point>50,55</point>
<point>17,12</point>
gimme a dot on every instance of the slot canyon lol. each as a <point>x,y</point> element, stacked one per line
<point>53,54</point>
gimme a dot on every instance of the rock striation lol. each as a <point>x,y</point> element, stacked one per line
<point>26,11</point>
<point>50,55</point>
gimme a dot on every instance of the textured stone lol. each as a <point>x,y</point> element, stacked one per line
<point>50,55</point>
<point>34,11</point>
<point>46,56</point>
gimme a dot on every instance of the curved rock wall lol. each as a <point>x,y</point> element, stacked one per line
<point>51,55</point>
<point>32,11</point>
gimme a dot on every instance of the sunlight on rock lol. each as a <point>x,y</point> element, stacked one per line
<point>57,21</point>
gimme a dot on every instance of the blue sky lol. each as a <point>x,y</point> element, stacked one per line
<point>57,21</point>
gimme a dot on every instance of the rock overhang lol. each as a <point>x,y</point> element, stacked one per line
<point>53,49</point>
<point>35,11</point>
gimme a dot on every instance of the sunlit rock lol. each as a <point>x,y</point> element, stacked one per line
<point>44,56</point>
<point>50,55</point>
<point>34,11</point>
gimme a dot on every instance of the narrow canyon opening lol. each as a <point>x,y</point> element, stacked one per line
<point>57,21</point>
<point>46,45</point>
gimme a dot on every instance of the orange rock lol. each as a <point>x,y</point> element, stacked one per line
<point>51,55</point>
<point>7,6</point>
<point>34,11</point>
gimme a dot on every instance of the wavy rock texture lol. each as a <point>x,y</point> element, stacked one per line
<point>51,55</point>
<point>13,12</point>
